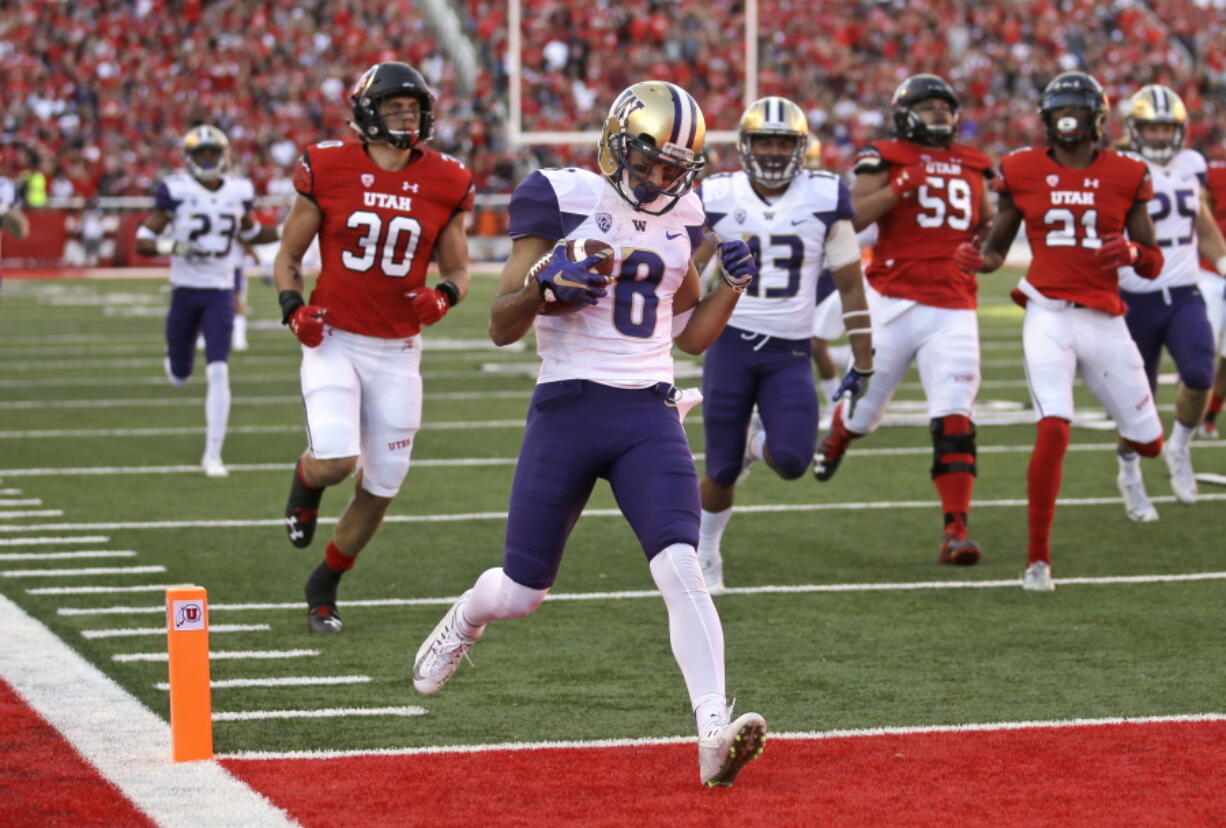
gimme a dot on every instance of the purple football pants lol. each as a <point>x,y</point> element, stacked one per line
<point>577,432</point>
<point>741,369</point>
<point>1182,325</point>
<point>193,310</point>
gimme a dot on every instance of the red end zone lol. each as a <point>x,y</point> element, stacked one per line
<point>1155,774</point>
<point>44,781</point>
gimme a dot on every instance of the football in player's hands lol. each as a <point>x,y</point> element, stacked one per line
<point>573,275</point>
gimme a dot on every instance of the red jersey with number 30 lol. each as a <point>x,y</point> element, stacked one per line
<point>378,231</point>
<point>913,257</point>
<point>1068,212</point>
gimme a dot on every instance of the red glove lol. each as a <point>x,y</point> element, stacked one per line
<point>307,323</point>
<point>1117,251</point>
<point>967,258</point>
<point>430,304</point>
<point>908,179</point>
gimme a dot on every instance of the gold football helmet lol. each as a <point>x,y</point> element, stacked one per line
<point>1156,104</point>
<point>651,146</point>
<point>772,116</point>
<point>206,150</point>
<point>813,153</point>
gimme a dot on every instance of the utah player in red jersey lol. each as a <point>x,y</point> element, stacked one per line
<point>1077,200</point>
<point>927,195</point>
<point>382,207</point>
<point>1213,289</point>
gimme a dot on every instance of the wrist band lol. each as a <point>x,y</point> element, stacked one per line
<point>290,301</point>
<point>449,290</point>
<point>855,313</point>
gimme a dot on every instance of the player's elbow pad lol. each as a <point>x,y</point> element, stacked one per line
<point>842,247</point>
<point>1149,261</point>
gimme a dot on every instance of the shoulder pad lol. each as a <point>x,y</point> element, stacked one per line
<point>973,157</point>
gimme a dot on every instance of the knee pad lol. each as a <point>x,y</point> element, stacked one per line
<point>217,373</point>
<point>677,573</point>
<point>383,477</point>
<point>953,445</point>
<point>1151,449</point>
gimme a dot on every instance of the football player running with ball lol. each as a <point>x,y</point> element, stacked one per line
<point>927,195</point>
<point>209,213</point>
<point>1077,200</point>
<point>796,222</point>
<point>382,207</point>
<point>605,405</point>
<point>1170,309</point>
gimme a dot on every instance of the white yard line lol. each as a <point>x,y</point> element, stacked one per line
<point>220,655</point>
<point>98,590</point>
<point>32,513</point>
<point>33,501</point>
<point>132,632</point>
<point>76,573</point>
<point>122,739</point>
<point>285,681</point>
<point>673,740</point>
<point>149,609</point>
<point>52,541</point>
<point>60,556</point>
<point>323,713</point>
<point>589,513</point>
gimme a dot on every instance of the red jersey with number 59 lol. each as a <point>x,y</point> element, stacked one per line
<point>916,238</point>
<point>378,231</point>
<point>1068,212</point>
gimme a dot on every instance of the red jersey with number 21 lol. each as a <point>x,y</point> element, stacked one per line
<point>378,231</point>
<point>1068,212</point>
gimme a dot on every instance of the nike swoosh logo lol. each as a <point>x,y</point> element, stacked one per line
<point>564,282</point>
<point>798,221</point>
<point>671,236</point>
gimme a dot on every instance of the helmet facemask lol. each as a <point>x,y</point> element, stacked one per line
<point>1079,91</point>
<point>380,83</point>
<point>772,168</point>
<point>1151,106</point>
<point>636,158</point>
<point>911,99</point>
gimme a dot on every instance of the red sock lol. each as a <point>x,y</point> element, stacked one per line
<point>955,487</point>
<point>838,430</point>
<point>1043,484</point>
<point>1151,449</point>
<point>1215,405</point>
<point>337,560</point>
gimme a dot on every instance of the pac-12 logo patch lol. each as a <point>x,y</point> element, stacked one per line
<point>604,221</point>
<point>1053,180</point>
<point>188,615</point>
<point>367,179</point>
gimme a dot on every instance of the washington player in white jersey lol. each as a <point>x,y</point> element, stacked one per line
<point>208,214</point>
<point>796,222</point>
<point>605,405</point>
<point>1170,310</point>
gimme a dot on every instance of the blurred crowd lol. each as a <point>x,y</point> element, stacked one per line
<point>98,95</point>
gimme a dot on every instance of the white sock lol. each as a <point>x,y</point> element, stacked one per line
<point>711,712</point>
<point>693,624</point>
<point>1181,435</point>
<point>495,596</point>
<point>711,532</point>
<point>240,328</point>
<point>1130,464</point>
<point>216,407</point>
<point>757,445</point>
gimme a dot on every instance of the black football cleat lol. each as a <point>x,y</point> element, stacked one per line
<point>302,511</point>
<point>324,619</point>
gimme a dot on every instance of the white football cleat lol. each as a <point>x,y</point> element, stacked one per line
<point>1037,578</point>
<point>723,751</point>
<point>1208,431</point>
<point>713,572</point>
<point>1183,480</point>
<point>440,654</point>
<point>1136,502</point>
<point>755,428</point>
<point>213,467</point>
